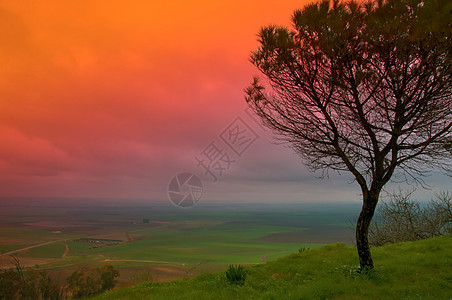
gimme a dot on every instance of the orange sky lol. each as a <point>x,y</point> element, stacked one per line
<point>112,98</point>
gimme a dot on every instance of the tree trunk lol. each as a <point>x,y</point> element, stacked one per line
<point>362,229</point>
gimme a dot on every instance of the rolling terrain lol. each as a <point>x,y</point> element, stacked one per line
<point>166,242</point>
<point>410,270</point>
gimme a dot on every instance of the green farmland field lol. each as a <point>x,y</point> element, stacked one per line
<point>173,243</point>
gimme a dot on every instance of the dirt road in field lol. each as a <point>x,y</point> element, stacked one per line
<point>66,251</point>
<point>34,246</point>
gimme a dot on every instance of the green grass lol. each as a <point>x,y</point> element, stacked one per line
<point>78,248</point>
<point>224,243</point>
<point>7,248</point>
<point>55,250</point>
<point>412,270</point>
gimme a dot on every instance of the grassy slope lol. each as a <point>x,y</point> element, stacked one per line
<point>413,270</point>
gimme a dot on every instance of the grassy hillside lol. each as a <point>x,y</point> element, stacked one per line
<point>413,270</point>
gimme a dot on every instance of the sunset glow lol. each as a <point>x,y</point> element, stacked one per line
<point>113,98</point>
<point>109,98</point>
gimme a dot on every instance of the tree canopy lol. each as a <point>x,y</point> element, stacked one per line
<point>362,87</point>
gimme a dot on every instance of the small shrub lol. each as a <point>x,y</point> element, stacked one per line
<point>236,275</point>
<point>362,273</point>
<point>303,249</point>
<point>403,219</point>
<point>21,283</point>
<point>85,283</point>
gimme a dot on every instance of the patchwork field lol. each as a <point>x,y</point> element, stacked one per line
<point>166,243</point>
